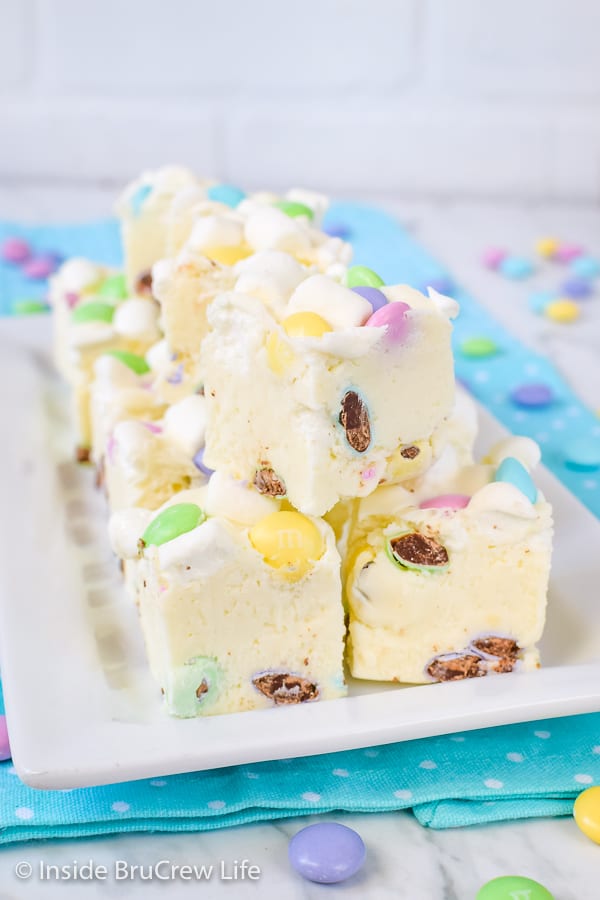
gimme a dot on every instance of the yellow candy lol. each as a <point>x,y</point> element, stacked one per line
<point>587,813</point>
<point>562,311</point>
<point>301,324</point>
<point>227,255</point>
<point>287,541</point>
<point>547,247</point>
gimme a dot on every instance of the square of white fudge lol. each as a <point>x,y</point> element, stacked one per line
<point>331,419</point>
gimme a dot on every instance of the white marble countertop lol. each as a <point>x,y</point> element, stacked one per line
<point>404,859</point>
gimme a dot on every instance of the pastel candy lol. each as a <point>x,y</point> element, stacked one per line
<point>547,246</point>
<point>305,324</point>
<point>492,257</point>
<point>564,311</point>
<point>15,250</point>
<point>228,194</point>
<point>171,522</point>
<point>198,461</point>
<point>114,287</point>
<point>533,396</point>
<point>514,472</point>
<point>29,307</point>
<point>93,312</point>
<point>587,813</point>
<point>443,284</point>
<point>446,501</point>
<point>376,298</point>
<point>567,252</point>
<point>583,454</point>
<point>337,229</point>
<point>134,362</point>
<point>326,852</point>
<point>359,276</point>
<point>39,267</point>
<point>417,551</point>
<point>288,541</point>
<point>393,316</point>
<point>516,267</point>
<point>197,682</point>
<point>539,300</point>
<point>513,887</point>
<point>4,742</point>
<point>585,267</point>
<point>478,347</point>
<point>576,288</point>
<point>293,209</point>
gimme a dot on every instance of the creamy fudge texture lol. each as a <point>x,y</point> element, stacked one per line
<point>240,601</point>
<point>143,208</point>
<point>147,462</point>
<point>451,586</point>
<point>318,397</point>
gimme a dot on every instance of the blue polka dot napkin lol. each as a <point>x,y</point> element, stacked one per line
<point>518,771</point>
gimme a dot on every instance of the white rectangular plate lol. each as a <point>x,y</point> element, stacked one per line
<point>81,704</point>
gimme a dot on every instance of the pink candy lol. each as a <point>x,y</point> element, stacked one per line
<point>446,501</point>
<point>4,744</point>
<point>492,257</point>
<point>154,429</point>
<point>394,317</point>
<point>39,267</point>
<point>567,252</point>
<point>15,250</point>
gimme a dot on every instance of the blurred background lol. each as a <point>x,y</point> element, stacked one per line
<point>386,98</point>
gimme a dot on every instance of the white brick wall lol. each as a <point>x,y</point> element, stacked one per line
<point>427,98</point>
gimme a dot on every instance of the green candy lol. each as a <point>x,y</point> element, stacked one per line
<point>134,362</point>
<point>193,687</point>
<point>513,887</point>
<point>29,307</point>
<point>92,312</point>
<point>292,209</point>
<point>478,347</point>
<point>362,276</point>
<point>171,522</point>
<point>114,288</point>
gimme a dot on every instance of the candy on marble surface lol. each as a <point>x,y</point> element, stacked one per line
<point>359,276</point>
<point>134,362</point>
<point>492,257</point>
<point>327,852</point>
<point>585,267</point>
<point>40,267</point>
<point>516,267</point>
<point>583,454</point>
<point>532,396</point>
<point>563,310</point>
<point>478,347</point>
<point>394,317</point>
<point>547,246</point>
<point>446,501</point>
<point>172,522</point>
<point>294,209</point>
<point>289,541</point>
<point>576,288</point>
<point>566,252</point>
<point>513,887</point>
<point>376,298</point>
<point>114,287</point>
<point>586,813</point>
<point>514,472</point>
<point>228,194</point>
<point>15,250</point>
<point>29,307</point>
<point>539,300</point>
<point>4,742</point>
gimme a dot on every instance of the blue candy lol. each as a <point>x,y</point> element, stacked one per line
<point>585,267</point>
<point>327,852</point>
<point>139,198</point>
<point>583,454</point>
<point>513,472</point>
<point>539,300</point>
<point>228,194</point>
<point>576,288</point>
<point>516,267</point>
<point>443,284</point>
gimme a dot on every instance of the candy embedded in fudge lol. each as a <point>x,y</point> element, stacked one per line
<point>450,586</point>
<point>146,462</point>
<point>240,601</point>
<point>318,391</point>
<point>143,208</point>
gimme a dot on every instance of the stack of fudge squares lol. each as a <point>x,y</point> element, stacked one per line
<point>288,461</point>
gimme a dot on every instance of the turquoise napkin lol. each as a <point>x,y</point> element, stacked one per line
<point>518,771</point>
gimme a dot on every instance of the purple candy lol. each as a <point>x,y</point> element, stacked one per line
<point>40,267</point>
<point>199,463</point>
<point>576,288</point>
<point>327,852</point>
<point>15,250</point>
<point>177,376</point>
<point>532,396</point>
<point>376,298</point>
<point>4,744</point>
<point>394,316</point>
<point>337,229</point>
<point>443,284</point>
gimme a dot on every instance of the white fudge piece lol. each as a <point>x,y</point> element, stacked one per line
<point>236,615</point>
<point>326,415</point>
<point>441,588</point>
